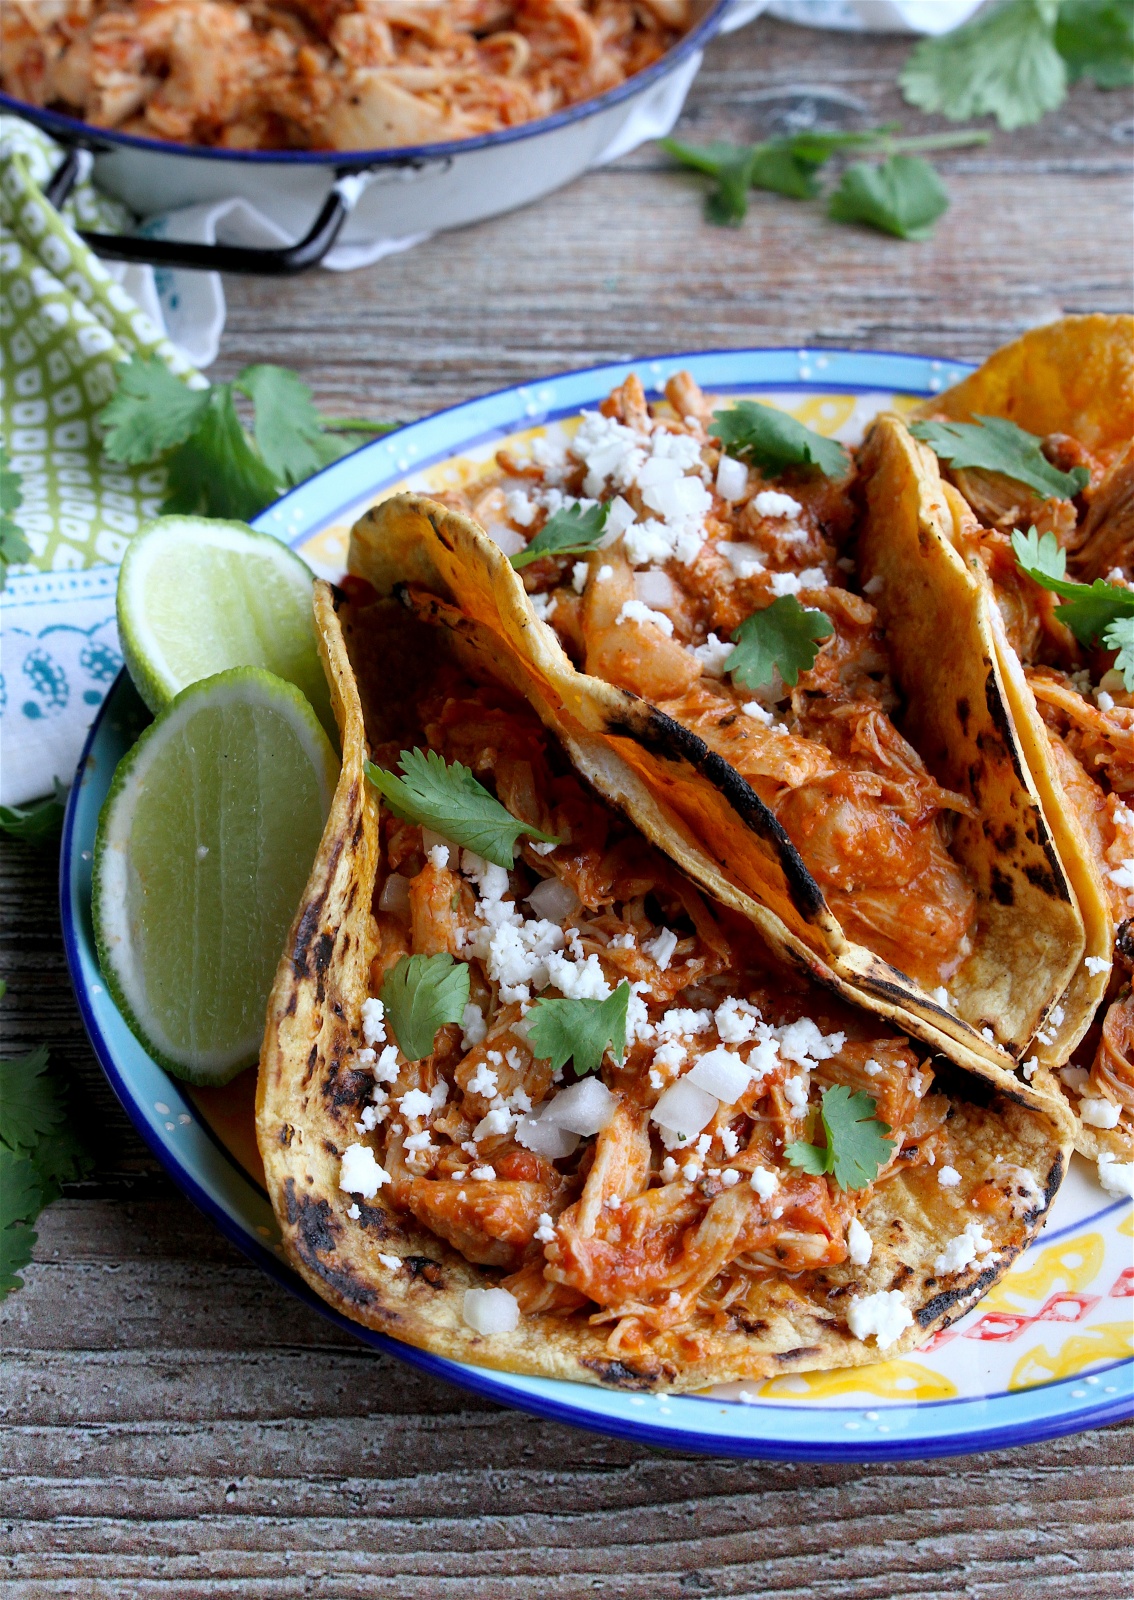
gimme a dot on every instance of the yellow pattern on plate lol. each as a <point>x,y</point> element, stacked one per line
<point>890,1380</point>
<point>1104,1341</point>
<point>1070,1265</point>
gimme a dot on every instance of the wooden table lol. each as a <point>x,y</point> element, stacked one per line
<point>176,1425</point>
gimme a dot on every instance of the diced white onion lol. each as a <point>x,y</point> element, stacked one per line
<point>721,1073</point>
<point>684,1108</point>
<point>654,588</point>
<point>534,1133</point>
<point>491,1310</point>
<point>554,900</point>
<point>395,896</point>
<point>585,1108</point>
<point>507,538</point>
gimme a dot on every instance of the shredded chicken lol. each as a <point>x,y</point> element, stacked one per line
<point>325,74</point>
<point>645,1229</point>
<point>854,796</point>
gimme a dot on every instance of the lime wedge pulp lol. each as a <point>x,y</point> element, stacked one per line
<point>204,845</point>
<point>197,596</point>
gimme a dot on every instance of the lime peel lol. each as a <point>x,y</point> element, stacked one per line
<point>204,845</point>
<point>197,596</point>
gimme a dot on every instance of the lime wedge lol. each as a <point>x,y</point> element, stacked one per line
<point>204,845</point>
<point>197,596</point>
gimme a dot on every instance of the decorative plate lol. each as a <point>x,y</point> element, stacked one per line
<point>1050,1350</point>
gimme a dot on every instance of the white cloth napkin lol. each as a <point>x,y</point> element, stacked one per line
<point>877,16</point>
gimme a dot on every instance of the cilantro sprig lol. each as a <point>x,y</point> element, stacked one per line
<point>785,635</point>
<point>997,445</point>
<point>38,1153</point>
<point>904,197</point>
<point>421,994</point>
<point>1097,613</point>
<point>581,1030</point>
<point>38,822</point>
<point>789,166</point>
<point>1096,40</point>
<point>448,799</point>
<point>773,441</point>
<point>215,467</point>
<point>572,531</point>
<point>13,546</point>
<point>856,1147</point>
<point>1013,61</point>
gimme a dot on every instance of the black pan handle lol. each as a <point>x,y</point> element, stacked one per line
<point>281,261</point>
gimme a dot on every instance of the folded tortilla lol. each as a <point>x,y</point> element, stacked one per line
<point>1000,1163</point>
<point>1075,378</point>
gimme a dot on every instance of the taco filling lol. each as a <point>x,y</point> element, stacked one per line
<point>718,591</point>
<point>596,1087</point>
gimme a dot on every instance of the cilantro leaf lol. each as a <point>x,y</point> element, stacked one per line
<point>448,799</point>
<point>997,445</point>
<point>784,635</point>
<point>559,1030</point>
<point>1119,635</point>
<point>39,822</point>
<point>1092,611</point>
<point>21,1188</point>
<point>1093,608</point>
<point>570,532</point>
<point>856,1149</point>
<point>29,1101</point>
<point>788,165</point>
<point>215,467</point>
<point>422,994</point>
<point>151,411</point>
<point>773,441</point>
<point>16,1246</point>
<point>13,546</point>
<point>59,1157</point>
<point>1004,63</point>
<point>289,430</point>
<point>1096,40</point>
<point>218,472</point>
<point>1043,559</point>
<point>38,1153</point>
<point>903,197</point>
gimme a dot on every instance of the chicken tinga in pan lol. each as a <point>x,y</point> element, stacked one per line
<point>530,1098</point>
<point>325,74</point>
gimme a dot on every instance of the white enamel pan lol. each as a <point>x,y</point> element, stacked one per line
<point>369,201</point>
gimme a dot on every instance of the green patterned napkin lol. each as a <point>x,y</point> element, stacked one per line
<point>64,326</point>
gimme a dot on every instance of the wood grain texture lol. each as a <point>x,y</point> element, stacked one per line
<point>174,1424</point>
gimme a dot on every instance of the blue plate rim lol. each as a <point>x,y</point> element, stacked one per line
<point>818,355</point>
<point>982,1435</point>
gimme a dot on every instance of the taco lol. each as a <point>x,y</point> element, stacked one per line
<point>1056,552</point>
<point>765,728</point>
<point>569,1116</point>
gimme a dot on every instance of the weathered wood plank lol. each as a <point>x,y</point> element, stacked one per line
<point>175,1424</point>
